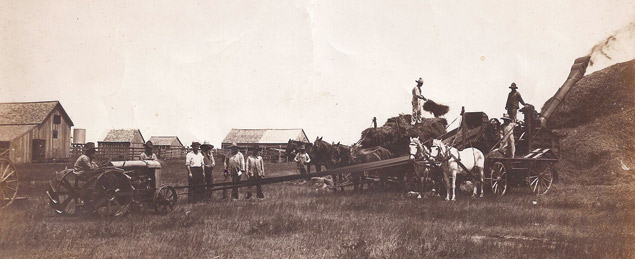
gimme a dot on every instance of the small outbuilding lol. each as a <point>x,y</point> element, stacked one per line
<point>263,138</point>
<point>121,144</point>
<point>35,131</point>
<point>168,147</point>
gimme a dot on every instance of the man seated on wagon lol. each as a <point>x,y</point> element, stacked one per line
<point>86,162</point>
<point>148,154</point>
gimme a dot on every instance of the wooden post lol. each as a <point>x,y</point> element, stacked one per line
<point>463,128</point>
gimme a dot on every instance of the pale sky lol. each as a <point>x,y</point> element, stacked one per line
<point>198,69</point>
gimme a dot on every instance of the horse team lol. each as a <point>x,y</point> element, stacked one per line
<point>433,164</point>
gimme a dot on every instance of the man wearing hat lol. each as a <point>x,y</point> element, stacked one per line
<point>209,163</point>
<point>302,159</point>
<point>85,162</point>
<point>255,170</point>
<point>513,98</point>
<point>417,103</point>
<point>194,163</point>
<point>148,154</point>
<point>508,145</point>
<point>234,168</point>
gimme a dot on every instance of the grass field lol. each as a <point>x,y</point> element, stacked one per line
<point>295,221</point>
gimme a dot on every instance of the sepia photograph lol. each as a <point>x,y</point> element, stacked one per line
<point>317,129</point>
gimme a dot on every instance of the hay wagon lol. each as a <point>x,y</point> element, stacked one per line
<point>112,190</point>
<point>537,147</point>
<point>8,181</point>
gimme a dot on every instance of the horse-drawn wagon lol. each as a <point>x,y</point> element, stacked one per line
<point>112,190</point>
<point>537,147</point>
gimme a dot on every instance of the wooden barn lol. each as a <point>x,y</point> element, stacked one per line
<point>121,144</point>
<point>35,131</point>
<point>168,147</point>
<point>264,138</point>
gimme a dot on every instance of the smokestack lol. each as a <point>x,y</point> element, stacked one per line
<point>79,136</point>
<point>577,72</point>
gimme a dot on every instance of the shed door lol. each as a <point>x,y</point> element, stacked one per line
<point>38,150</point>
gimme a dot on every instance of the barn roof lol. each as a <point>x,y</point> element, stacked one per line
<point>265,136</point>
<point>165,140</point>
<point>121,135</point>
<point>11,132</point>
<point>29,113</point>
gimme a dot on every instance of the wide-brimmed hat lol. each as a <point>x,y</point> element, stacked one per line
<point>506,117</point>
<point>513,86</point>
<point>254,148</point>
<point>207,145</point>
<point>89,145</point>
<point>196,143</point>
<point>420,81</point>
<point>234,145</point>
<point>148,144</point>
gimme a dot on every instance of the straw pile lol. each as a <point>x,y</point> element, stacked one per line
<point>435,108</point>
<point>596,120</point>
<point>394,134</point>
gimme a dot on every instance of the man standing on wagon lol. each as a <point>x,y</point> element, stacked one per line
<point>194,163</point>
<point>234,168</point>
<point>513,98</point>
<point>508,145</point>
<point>417,102</point>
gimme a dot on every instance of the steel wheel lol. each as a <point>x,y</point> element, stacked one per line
<point>64,194</point>
<point>8,182</point>
<point>498,175</point>
<point>540,178</point>
<point>164,200</point>
<point>112,195</point>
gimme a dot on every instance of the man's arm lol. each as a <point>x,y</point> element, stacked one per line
<point>296,158</point>
<point>308,158</point>
<point>262,166</point>
<point>520,99</point>
<point>188,162</point>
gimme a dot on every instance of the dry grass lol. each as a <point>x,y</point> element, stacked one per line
<point>572,221</point>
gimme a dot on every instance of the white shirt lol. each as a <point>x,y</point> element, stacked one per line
<point>194,160</point>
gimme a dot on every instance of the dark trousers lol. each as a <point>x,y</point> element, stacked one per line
<point>256,180</point>
<point>195,192</point>
<point>208,181</point>
<point>235,180</point>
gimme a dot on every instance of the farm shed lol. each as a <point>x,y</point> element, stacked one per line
<point>35,131</point>
<point>264,138</point>
<point>121,144</point>
<point>168,147</point>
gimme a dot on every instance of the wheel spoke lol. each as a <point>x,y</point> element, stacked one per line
<point>4,169</point>
<point>7,176</point>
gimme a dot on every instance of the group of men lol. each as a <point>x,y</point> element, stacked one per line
<point>507,143</point>
<point>200,166</point>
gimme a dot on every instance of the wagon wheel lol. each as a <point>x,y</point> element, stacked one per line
<point>498,175</point>
<point>112,195</point>
<point>64,194</point>
<point>540,178</point>
<point>8,182</point>
<point>164,200</point>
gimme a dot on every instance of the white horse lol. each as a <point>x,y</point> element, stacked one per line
<point>449,157</point>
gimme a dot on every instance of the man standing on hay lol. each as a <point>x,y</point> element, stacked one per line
<point>417,103</point>
<point>512,102</point>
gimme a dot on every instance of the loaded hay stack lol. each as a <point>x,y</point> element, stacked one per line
<point>394,134</point>
<point>597,121</point>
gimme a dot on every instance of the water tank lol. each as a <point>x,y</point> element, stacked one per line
<point>79,136</point>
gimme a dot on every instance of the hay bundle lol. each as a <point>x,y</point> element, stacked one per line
<point>394,134</point>
<point>435,108</point>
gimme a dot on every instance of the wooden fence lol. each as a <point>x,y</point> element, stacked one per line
<point>178,153</point>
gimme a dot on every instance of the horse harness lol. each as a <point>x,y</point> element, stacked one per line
<point>448,155</point>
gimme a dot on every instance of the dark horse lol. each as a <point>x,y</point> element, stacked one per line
<point>359,155</point>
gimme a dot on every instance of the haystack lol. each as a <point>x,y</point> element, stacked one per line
<point>394,134</point>
<point>597,121</point>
